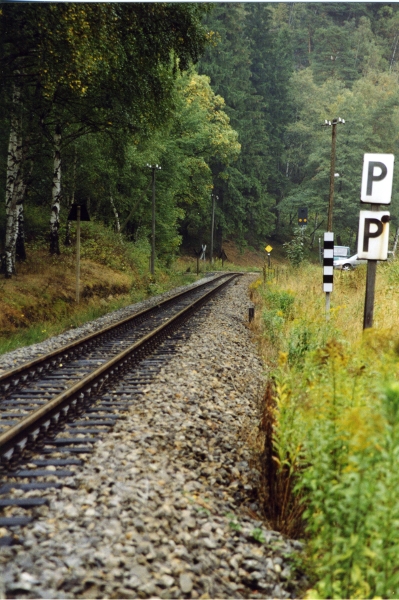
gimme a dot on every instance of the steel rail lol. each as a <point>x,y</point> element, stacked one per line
<point>26,370</point>
<point>34,422</point>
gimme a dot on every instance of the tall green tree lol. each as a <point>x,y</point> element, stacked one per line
<point>112,172</point>
<point>250,66</point>
<point>371,112</point>
<point>86,68</point>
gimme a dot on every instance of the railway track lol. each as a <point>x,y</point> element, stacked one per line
<point>62,403</point>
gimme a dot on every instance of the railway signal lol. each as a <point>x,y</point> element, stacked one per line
<point>302,216</point>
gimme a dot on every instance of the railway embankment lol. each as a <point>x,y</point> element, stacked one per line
<point>166,506</point>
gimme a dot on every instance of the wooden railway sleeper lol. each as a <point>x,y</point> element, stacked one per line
<point>77,404</point>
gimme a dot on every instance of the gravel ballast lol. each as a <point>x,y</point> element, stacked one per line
<point>165,506</point>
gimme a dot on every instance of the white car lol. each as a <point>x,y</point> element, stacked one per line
<point>346,264</point>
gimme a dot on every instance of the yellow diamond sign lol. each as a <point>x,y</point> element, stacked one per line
<point>268,248</point>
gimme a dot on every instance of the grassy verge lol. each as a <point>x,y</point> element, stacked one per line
<point>39,301</point>
<point>330,427</point>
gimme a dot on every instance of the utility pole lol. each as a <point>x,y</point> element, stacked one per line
<point>332,124</point>
<point>213,223</point>
<point>152,262</point>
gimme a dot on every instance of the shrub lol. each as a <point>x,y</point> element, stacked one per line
<point>330,445</point>
<point>295,249</point>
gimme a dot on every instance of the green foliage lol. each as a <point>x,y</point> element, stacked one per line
<point>333,440</point>
<point>233,522</point>
<point>304,337</point>
<point>258,536</point>
<point>345,65</point>
<point>350,490</point>
<point>278,308</point>
<point>279,300</point>
<point>295,249</point>
<point>249,67</point>
<point>393,273</point>
<point>105,79</point>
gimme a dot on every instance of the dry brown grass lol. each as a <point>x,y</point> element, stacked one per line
<point>44,289</point>
<point>347,301</point>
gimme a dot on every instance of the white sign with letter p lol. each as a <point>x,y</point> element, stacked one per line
<point>373,235</point>
<point>377,178</point>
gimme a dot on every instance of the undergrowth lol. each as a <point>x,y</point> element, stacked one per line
<point>330,436</point>
<point>39,301</point>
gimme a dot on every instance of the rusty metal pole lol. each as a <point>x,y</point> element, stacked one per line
<point>212,225</point>
<point>152,267</point>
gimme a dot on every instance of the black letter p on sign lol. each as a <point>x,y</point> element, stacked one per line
<point>377,178</point>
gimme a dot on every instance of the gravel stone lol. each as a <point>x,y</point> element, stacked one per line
<point>164,506</point>
<point>185,583</point>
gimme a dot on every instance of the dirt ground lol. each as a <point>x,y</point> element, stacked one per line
<point>246,258</point>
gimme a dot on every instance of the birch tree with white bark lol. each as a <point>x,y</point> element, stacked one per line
<point>56,194</point>
<point>14,183</point>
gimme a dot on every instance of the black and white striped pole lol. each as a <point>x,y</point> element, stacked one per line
<point>328,268</point>
<point>329,250</point>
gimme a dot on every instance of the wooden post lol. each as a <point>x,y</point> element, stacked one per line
<point>332,177</point>
<point>77,252</point>
<point>368,315</point>
<point>370,292</point>
<point>331,202</point>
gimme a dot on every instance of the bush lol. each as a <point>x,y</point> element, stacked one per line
<point>279,306</point>
<point>295,249</point>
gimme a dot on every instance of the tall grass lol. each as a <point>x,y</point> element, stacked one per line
<point>330,427</point>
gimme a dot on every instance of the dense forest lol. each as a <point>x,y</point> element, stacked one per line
<point>229,99</point>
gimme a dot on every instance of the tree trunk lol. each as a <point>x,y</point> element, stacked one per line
<point>19,192</point>
<point>393,53</point>
<point>56,195</point>
<point>395,241</point>
<point>316,227</point>
<point>67,241</point>
<point>277,223</point>
<point>118,225</point>
<point>20,242</point>
<point>14,159</point>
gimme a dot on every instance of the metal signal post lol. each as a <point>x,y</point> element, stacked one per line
<point>214,198</point>
<point>152,263</point>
